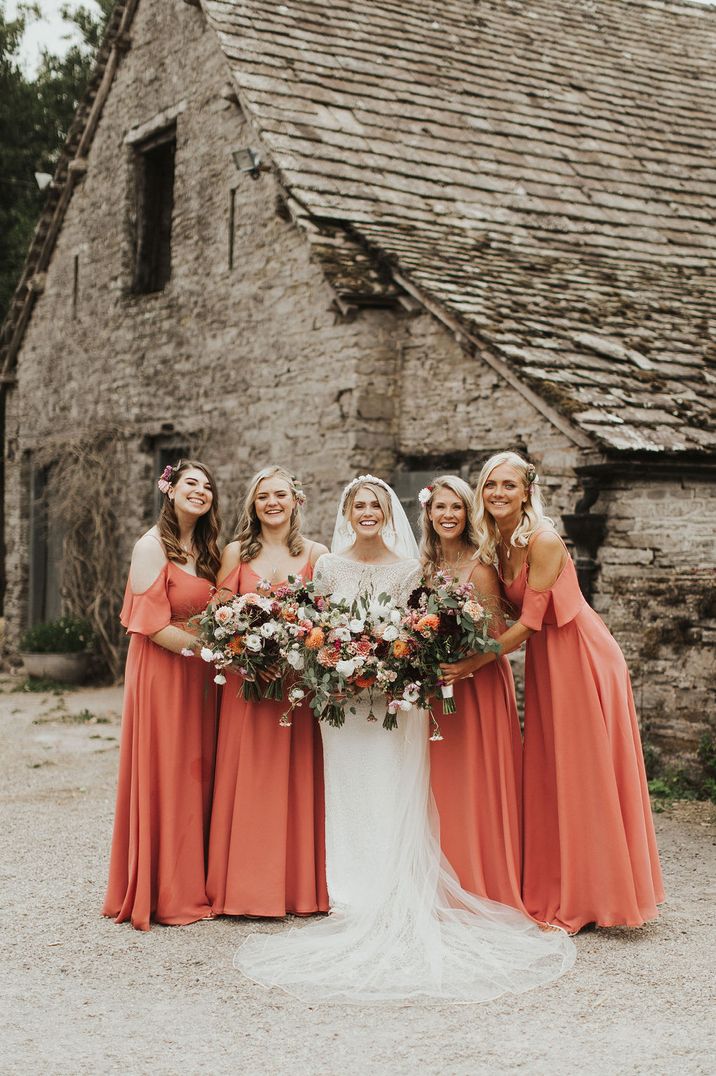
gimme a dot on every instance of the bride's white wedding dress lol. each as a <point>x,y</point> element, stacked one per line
<point>400,925</point>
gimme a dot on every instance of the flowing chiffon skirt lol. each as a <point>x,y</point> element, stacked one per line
<point>476,779</point>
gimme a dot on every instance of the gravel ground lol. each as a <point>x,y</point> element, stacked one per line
<point>82,995</point>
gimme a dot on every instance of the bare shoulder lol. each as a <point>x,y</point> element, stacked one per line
<point>317,550</point>
<point>148,560</point>
<point>484,576</point>
<point>545,546</point>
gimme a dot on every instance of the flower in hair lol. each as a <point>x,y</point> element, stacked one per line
<point>532,478</point>
<point>298,489</point>
<point>425,494</point>
<point>165,479</point>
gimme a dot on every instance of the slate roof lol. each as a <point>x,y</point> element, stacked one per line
<point>544,172</point>
<point>540,173</point>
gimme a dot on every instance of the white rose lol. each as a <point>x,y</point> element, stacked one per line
<point>219,678</point>
<point>395,616</point>
<point>356,626</point>
<point>391,633</point>
<point>207,654</point>
<point>343,634</point>
<point>219,633</point>
<point>267,630</point>
<point>346,668</point>
<point>295,659</point>
<point>296,694</point>
<point>254,643</point>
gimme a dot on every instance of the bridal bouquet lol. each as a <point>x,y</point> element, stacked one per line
<point>445,621</point>
<point>347,651</point>
<point>247,634</point>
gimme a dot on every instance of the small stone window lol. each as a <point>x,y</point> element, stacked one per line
<point>154,188</point>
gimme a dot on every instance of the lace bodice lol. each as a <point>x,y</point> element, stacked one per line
<point>345,579</point>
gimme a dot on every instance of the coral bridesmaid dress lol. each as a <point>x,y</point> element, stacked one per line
<point>590,853</point>
<point>476,778</point>
<point>267,843</point>
<point>157,864</point>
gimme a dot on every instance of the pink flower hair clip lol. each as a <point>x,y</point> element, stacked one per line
<point>165,479</point>
<point>425,494</point>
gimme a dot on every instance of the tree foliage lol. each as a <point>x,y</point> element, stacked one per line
<point>35,115</point>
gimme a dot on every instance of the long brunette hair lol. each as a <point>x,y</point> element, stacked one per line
<point>206,529</point>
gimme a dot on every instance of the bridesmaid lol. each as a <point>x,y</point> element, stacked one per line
<point>590,854</point>
<point>476,770</point>
<point>266,849</point>
<point>166,759</point>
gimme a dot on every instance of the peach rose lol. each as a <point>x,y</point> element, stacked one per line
<point>429,622</point>
<point>328,656</point>
<point>400,648</point>
<point>315,639</point>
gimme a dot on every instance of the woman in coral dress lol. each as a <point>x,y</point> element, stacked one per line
<point>590,854</point>
<point>266,848</point>
<point>476,769</point>
<point>157,864</point>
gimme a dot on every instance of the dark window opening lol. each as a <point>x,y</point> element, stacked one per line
<point>154,185</point>
<point>47,533</point>
<point>166,454</point>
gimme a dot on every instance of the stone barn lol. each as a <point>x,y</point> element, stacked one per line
<point>353,234</point>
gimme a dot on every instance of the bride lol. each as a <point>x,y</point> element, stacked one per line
<point>400,925</point>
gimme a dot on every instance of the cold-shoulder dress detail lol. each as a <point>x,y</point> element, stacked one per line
<point>157,863</point>
<point>400,925</point>
<point>266,848</point>
<point>590,851</point>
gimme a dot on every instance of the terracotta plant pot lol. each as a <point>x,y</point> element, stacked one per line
<point>66,668</point>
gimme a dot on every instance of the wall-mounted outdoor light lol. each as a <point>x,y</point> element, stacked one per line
<point>247,160</point>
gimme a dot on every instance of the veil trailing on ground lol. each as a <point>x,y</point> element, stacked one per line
<point>398,536</point>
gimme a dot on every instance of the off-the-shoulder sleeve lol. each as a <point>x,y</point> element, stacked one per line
<point>148,612</point>
<point>555,606</point>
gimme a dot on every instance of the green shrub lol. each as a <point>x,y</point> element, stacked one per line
<point>67,635</point>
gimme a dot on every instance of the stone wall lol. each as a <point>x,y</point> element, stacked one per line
<point>657,591</point>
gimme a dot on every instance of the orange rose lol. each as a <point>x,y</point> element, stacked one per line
<point>429,622</point>
<point>327,656</point>
<point>364,681</point>
<point>236,645</point>
<point>315,639</point>
<point>400,648</point>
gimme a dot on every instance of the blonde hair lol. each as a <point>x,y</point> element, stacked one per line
<point>429,541</point>
<point>248,531</point>
<point>381,493</point>
<point>533,516</point>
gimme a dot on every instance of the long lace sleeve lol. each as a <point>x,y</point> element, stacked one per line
<point>408,582</point>
<point>323,576</point>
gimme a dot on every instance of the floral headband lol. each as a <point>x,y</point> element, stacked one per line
<point>165,479</point>
<point>359,481</point>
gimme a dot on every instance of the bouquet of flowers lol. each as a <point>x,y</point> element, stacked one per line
<point>445,621</point>
<point>246,633</point>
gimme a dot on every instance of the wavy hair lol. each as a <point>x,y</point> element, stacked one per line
<point>380,492</point>
<point>533,515</point>
<point>248,531</point>
<point>429,540</point>
<point>206,529</point>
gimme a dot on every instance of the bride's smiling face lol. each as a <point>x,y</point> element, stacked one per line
<point>365,515</point>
